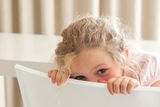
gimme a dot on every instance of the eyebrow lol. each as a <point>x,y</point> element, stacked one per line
<point>73,74</point>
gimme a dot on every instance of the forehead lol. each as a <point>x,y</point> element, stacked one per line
<point>92,55</point>
<point>89,59</point>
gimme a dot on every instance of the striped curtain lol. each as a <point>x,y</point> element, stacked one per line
<point>50,17</point>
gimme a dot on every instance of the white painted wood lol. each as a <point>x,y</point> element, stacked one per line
<point>38,91</point>
<point>31,50</point>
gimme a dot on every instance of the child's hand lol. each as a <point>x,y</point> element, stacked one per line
<point>58,77</point>
<point>121,85</point>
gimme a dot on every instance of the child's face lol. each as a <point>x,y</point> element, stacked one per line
<point>94,65</point>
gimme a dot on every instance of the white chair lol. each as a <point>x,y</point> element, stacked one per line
<point>38,91</point>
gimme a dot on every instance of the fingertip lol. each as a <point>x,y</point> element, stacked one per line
<point>125,92</point>
<point>49,73</point>
<point>129,92</point>
<point>63,81</point>
<point>53,81</point>
<point>110,88</point>
<point>59,83</point>
<point>112,93</point>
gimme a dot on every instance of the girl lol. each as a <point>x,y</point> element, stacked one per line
<point>97,50</point>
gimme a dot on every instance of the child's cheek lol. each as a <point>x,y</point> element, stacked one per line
<point>110,75</point>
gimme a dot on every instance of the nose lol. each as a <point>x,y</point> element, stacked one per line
<point>100,80</point>
<point>92,79</point>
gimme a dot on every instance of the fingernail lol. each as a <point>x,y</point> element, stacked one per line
<point>49,75</point>
<point>53,81</point>
<point>129,92</point>
<point>63,82</point>
<point>112,93</point>
<point>58,83</point>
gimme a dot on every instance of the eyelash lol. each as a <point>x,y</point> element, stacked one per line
<point>81,77</point>
<point>103,71</point>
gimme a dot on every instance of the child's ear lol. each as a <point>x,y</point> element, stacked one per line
<point>125,51</point>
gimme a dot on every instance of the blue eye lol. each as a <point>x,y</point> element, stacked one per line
<point>101,71</point>
<point>80,77</point>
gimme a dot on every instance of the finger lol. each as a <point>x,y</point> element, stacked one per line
<point>117,86</point>
<point>49,73</point>
<point>133,83</point>
<point>59,78</point>
<point>53,74</point>
<point>110,86</point>
<point>65,77</point>
<point>124,86</point>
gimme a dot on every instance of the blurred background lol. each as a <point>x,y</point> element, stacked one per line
<point>50,17</point>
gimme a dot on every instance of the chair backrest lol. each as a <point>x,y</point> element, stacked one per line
<point>38,91</point>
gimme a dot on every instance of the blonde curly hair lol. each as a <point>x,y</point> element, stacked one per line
<point>90,32</point>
